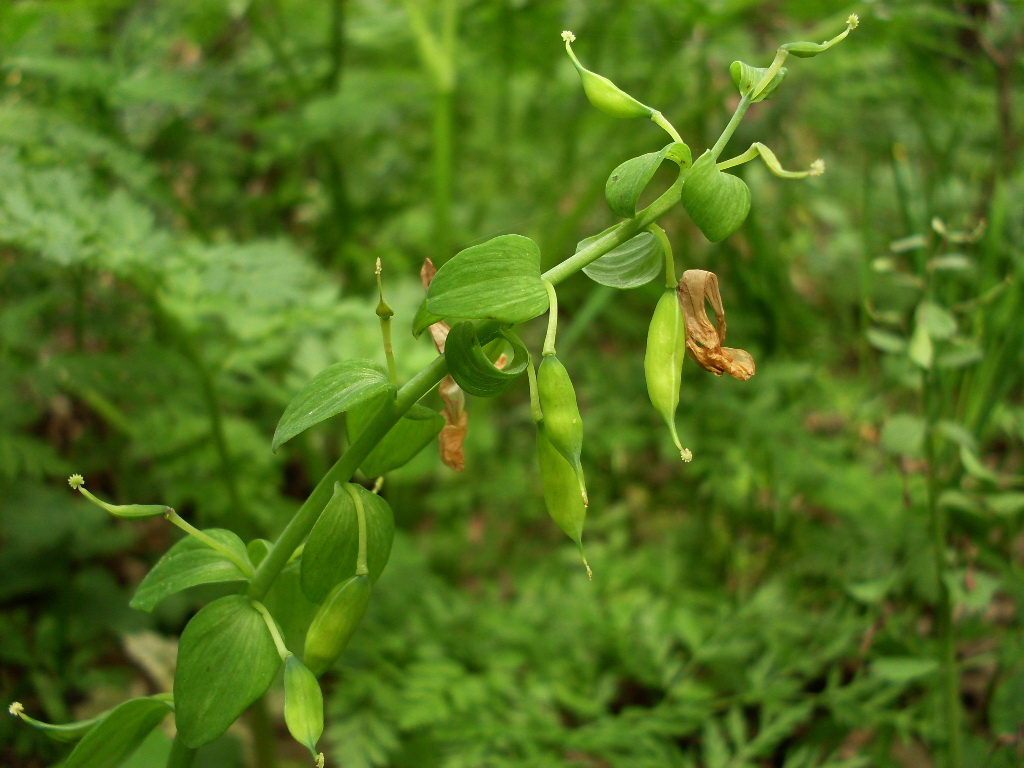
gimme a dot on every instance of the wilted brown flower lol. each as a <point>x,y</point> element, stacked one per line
<point>703,339</point>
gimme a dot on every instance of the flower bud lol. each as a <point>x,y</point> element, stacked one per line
<point>603,93</point>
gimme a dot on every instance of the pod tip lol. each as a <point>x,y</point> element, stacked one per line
<point>853,21</point>
<point>568,36</point>
<point>590,573</point>
<point>320,760</point>
<point>16,708</point>
<point>686,455</point>
<point>76,482</point>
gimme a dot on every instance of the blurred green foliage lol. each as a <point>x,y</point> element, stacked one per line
<point>192,198</point>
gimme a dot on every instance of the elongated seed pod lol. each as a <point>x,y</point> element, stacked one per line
<point>303,704</point>
<point>335,623</point>
<point>562,420</point>
<point>663,361</point>
<point>561,491</point>
<point>602,92</point>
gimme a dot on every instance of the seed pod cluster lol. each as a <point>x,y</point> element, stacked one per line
<point>663,362</point>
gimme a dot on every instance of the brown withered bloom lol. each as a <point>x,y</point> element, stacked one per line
<point>456,419</point>
<point>703,339</point>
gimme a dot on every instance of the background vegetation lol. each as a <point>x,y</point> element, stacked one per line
<point>192,198</point>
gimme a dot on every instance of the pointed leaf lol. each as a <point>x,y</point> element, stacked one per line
<point>921,350</point>
<point>418,427</point>
<point>634,263</point>
<point>717,202</point>
<point>628,181</point>
<point>189,563</point>
<point>499,279</point>
<point>424,319</point>
<point>335,389</point>
<point>745,78</point>
<point>226,660</point>
<point>329,556</point>
<point>118,735</point>
<point>938,321</point>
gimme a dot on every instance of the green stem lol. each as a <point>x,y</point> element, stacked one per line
<point>950,678</point>
<point>666,247</point>
<point>549,337</point>
<point>282,649</point>
<point>661,122</point>
<point>302,523</point>
<point>419,385</point>
<point>180,755</point>
<point>616,236</point>
<point>730,128</point>
<point>444,101</point>
<point>535,412</point>
<point>208,540</point>
<point>361,567</point>
<point>385,313</point>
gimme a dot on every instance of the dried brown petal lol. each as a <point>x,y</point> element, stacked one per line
<point>456,424</point>
<point>703,339</point>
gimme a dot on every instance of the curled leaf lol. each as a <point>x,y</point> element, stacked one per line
<point>703,339</point>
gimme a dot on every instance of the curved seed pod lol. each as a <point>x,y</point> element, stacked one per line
<point>561,491</point>
<point>562,420</point>
<point>303,704</point>
<point>603,93</point>
<point>335,623</point>
<point>663,362</point>
<point>126,511</point>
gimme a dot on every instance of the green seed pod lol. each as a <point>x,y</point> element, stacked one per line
<point>663,361</point>
<point>562,420</point>
<point>335,623</point>
<point>603,93</point>
<point>303,704</point>
<point>561,491</point>
<point>126,511</point>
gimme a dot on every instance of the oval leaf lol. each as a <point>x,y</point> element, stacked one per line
<point>403,441</point>
<point>329,556</point>
<point>335,389</point>
<point>499,279</point>
<point>634,263</point>
<point>628,181</point>
<point>226,660</point>
<point>118,734</point>
<point>189,563</point>
<point>717,202</point>
<point>473,371</point>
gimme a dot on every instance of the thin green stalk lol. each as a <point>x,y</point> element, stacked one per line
<point>549,337</point>
<point>208,540</point>
<point>938,523</point>
<point>444,104</point>
<point>180,755</point>
<point>302,523</point>
<point>385,313</point>
<point>361,568</point>
<point>731,126</point>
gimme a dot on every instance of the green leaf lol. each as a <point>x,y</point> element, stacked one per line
<point>473,371</point>
<point>959,354</point>
<point>1006,708</point>
<point>417,427</point>
<point>938,321</point>
<point>189,563</point>
<point>628,181</point>
<point>499,279</point>
<point>921,350</point>
<point>226,660</point>
<point>745,78</point>
<point>717,202</point>
<point>335,389</point>
<point>1006,504</point>
<point>901,669</point>
<point>886,341</point>
<point>424,319</point>
<point>329,556</point>
<point>118,735</point>
<point>903,435</point>
<point>634,263</point>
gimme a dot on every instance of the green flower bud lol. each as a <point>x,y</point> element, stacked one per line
<point>663,362</point>
<point>335,623</point>
<point>303,704</point>
<point>127,511</point>
<point>603,93</point>
<point>561,491</point>
<point>562,420</point>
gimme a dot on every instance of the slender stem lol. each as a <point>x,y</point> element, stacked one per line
<point>275,633</point>
<point>773,70</point>
<point>666,247</point>
<point>730,128</point>
<point>302,523</point>
<point>385,313</point>
<point>950,685</point>
<point>361,567</point>
<point>180,755</point>
<point>209,541</point>
<point>616,236</point>
<point>444,103</point>
<point>661,122</point>
<point>549,337</point>
<point>535,411</point>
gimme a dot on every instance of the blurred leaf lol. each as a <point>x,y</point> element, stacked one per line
<point>903,434</point>
<point>118,735</point>
<point>902,669</point>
